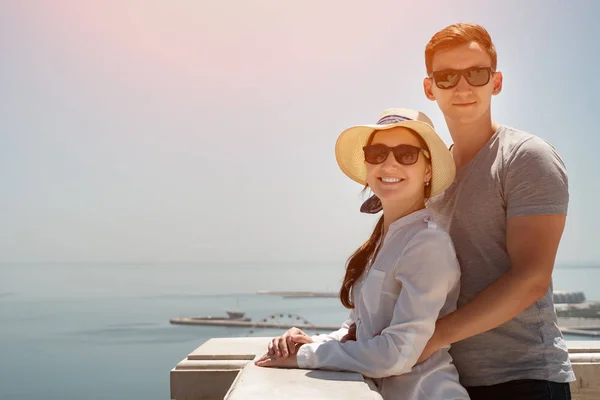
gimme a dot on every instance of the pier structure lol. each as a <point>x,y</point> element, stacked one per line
<point>575,326</point>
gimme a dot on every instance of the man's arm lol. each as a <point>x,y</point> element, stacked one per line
<point>537,196</point>
<point>532,243</point>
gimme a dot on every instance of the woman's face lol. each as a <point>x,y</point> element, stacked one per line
<point>392,181</point>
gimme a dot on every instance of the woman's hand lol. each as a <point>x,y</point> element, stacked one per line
<point>272,361</point>
<point>288,343</point>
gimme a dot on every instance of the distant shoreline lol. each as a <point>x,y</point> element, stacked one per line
<point>297,294</point>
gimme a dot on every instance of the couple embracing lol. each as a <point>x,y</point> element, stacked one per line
<point>451,295</point>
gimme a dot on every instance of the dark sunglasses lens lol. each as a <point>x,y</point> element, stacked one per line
<point>376,154</point>
<point>406,155</point>
<point>478,76</point>
<point>446,79</point>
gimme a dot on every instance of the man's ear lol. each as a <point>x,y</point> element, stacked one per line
<point>427,88</point>
<point>498,78</point>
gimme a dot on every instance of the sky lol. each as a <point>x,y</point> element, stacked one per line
<point>203,131</point>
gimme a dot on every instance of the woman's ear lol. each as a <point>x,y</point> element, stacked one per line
<point>428,174</point>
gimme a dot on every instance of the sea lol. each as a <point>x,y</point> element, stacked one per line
<point>101,331</point>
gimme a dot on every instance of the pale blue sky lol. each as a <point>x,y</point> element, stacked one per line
<point>203,131</point>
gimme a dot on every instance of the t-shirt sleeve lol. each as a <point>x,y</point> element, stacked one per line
<point>536,180</point>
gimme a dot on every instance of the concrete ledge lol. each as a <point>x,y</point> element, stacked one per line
<point>221,365</point>
<point>201,385</point>
<point>212,371</point>
<point>585,358</point>
<point>230,349</point>
<point>255,383</point>
<point>222,369</point>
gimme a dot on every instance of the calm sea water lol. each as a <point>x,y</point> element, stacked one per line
<point>102,331</point>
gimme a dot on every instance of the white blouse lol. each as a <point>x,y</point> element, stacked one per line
<point>413,281</point>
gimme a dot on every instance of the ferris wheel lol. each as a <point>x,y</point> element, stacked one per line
<point>283,321</point>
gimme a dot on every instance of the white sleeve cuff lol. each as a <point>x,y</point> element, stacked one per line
<point>306,356</point>
<point>318,339</point>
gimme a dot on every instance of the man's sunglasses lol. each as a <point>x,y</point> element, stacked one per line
<point>405,154</point>
<point>449,78</point>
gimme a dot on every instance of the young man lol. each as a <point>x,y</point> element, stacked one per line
<point>505,213</point>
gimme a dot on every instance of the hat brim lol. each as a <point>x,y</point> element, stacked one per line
<point>350,157</point>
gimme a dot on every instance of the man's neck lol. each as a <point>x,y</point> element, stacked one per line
<point>470,138</point>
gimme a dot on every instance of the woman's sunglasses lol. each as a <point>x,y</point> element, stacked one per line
<point>405,154</point>
<point>449,78</point>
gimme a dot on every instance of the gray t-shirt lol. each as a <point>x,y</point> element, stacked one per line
<point>514,174</point>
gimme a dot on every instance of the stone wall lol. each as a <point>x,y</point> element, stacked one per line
<point>222,368</point>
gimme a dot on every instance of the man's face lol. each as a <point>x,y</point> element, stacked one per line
<point>464,103</point>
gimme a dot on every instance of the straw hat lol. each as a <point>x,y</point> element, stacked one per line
<point>349,147</point>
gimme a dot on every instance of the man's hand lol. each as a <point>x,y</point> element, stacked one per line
<point>351,335</point>
<point>431,347</point>
<point>532,242</point>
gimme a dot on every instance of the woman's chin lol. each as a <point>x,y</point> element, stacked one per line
<point>391,200</point>
<point>396,199</point>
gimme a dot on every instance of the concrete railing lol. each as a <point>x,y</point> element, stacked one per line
<point>222,368</point>
<point>585,358</point>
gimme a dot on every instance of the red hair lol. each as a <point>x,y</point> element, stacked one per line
<point>456,35</point>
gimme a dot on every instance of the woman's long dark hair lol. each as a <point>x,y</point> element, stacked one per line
<point>360,258</point>
<point>357,264</point>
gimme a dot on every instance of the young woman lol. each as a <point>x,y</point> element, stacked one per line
<point>402,279</point>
